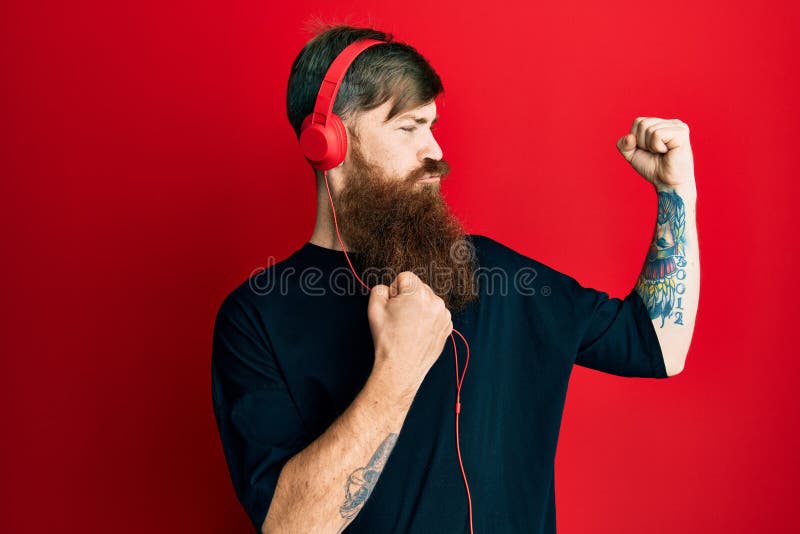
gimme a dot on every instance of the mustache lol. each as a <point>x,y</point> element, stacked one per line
<point>436,167</point>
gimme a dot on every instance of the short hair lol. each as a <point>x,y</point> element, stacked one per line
<point>393,71</point>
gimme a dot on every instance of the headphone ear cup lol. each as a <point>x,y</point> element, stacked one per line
<point>324,146</point>
<point>313,142</point>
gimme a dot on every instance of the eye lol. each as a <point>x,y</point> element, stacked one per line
<point>409,128</point>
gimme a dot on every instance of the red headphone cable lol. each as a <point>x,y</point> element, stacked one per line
<point>459,382</point>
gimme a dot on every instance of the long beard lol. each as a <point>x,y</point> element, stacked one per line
<point>396,225</point>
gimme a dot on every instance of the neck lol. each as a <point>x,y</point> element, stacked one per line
<point>324,234</point>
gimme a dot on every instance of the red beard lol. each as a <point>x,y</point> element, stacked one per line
<point>394,225</point>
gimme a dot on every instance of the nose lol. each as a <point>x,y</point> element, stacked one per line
<point>430,149</point>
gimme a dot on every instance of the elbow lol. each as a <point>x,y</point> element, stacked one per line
<point>674,365</point>
<point>674,354</point>
<point>674,369</point>
<point>270,525</point>
<point>268,529</point>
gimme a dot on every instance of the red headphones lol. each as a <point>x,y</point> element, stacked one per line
<point>323,136</point>
<point>323,139</point>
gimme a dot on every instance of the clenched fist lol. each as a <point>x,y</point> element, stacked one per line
<point>659,150</point>
<point>410,325</point>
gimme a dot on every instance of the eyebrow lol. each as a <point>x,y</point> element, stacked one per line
<point>419,120</point>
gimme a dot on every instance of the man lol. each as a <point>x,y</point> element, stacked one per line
<point>336,405</point>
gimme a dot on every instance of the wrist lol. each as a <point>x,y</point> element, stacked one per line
<point>686,190</point>
<point>383,383</point>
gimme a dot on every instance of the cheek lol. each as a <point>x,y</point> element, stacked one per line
<point>395,160</point>
<point>395,153</point>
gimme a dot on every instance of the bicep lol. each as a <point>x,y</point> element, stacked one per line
<point>617,336</point>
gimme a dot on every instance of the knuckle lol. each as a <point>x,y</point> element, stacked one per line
<point>407,275</point>
<point>408,281</point>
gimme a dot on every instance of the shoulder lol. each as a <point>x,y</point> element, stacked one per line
<point>496,257</point>
<point>493,253</point>
<point>264,283</point>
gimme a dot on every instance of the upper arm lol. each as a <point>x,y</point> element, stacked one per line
<point>618,336</point>
<point>673,346</point>
<point>258,422</point>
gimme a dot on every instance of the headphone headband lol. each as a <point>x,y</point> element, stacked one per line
<point>323,135</point>
<point>326,96</point>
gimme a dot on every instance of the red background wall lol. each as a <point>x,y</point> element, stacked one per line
<point>147,168</point>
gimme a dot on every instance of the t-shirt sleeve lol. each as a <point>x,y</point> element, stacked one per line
<point>259,424</point>
<point>618,336</point>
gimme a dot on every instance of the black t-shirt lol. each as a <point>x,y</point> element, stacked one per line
<point>292,348</point>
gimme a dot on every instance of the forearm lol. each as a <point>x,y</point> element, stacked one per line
<point>669,283</point>
<point>323,488</point>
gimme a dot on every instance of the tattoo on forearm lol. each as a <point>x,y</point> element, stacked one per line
<point>661,284</point>
<point>361,481</point>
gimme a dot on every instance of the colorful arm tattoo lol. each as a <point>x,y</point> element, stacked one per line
<point>661,283</point>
